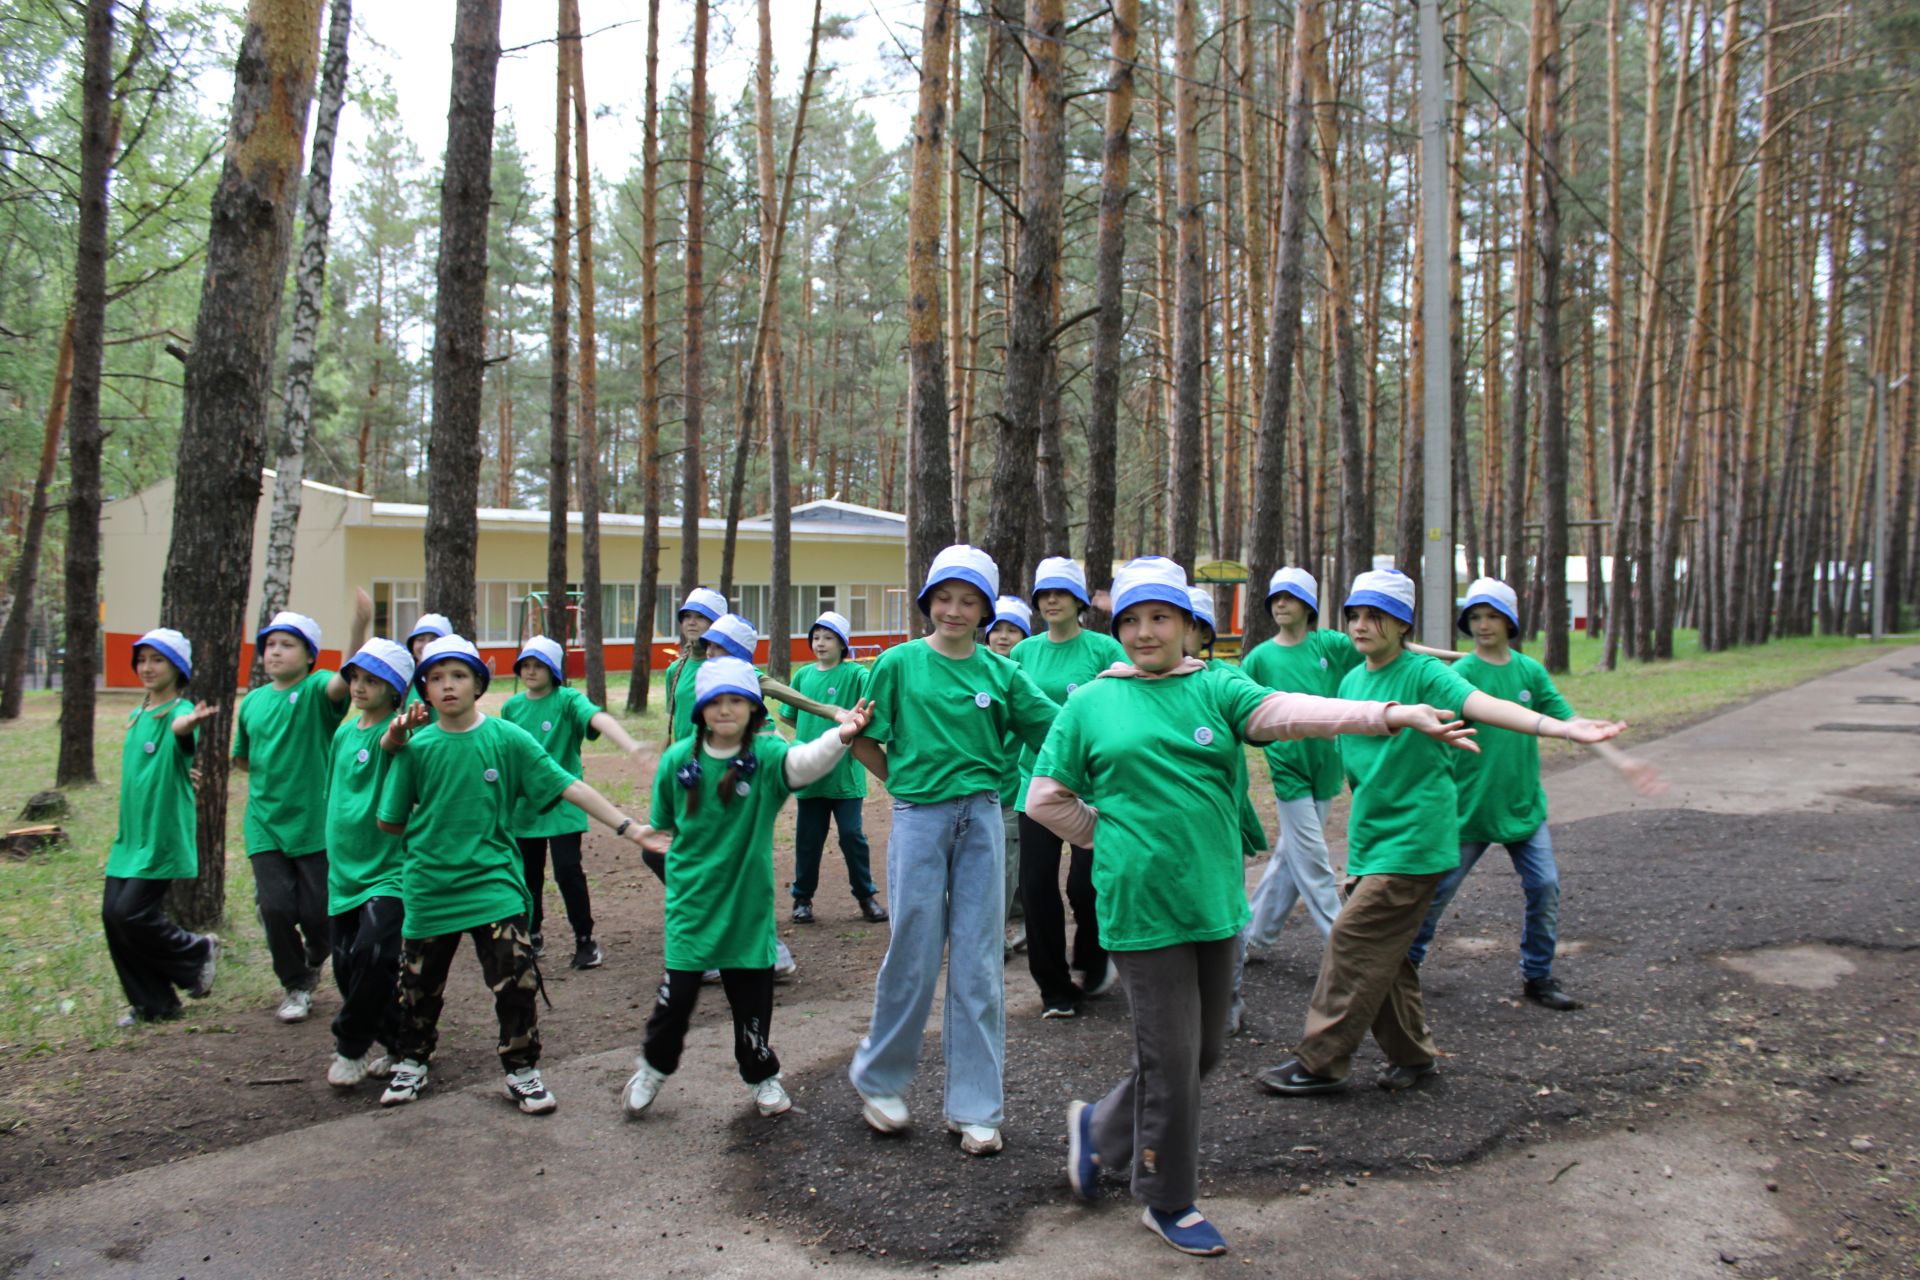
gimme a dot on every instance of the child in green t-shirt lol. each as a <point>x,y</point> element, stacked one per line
<point>838,682</point>
<point>1501,799</point>
<point>1012,622</point>
<point>364,866</point>
<point>1146,765</point>
<point>715,798</point>
<point>944,707</point>
<point>452,792</point>
<point>1403,838</point>
<point>559,718</point>
<point>282,733</point>
<point>426,629</point>
<point>154,843</point>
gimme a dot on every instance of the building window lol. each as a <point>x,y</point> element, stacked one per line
<point>873,606</point>
<point>396,607</point>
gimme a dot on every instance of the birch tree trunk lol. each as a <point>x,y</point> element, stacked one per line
<point>1109,259</point>
<point>310,276</point>
<point>641,682</point>
<point>228,387</point>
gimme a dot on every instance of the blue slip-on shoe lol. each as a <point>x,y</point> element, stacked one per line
<point>1186,1230</point>
<point>1083,1162</point>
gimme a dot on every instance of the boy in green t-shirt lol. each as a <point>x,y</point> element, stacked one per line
<point>1501,799</point>
<point>452,792</point>
<point>364,866</point>
<point>154,843</point>
<point>1402,840</point>
<point>282,733</point>
<point>426,629</point>
<point>839,682</point>
<point>559,718</point>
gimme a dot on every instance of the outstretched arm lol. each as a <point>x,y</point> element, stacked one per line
<point>794,698</point>
<point>357,636</point>
<point>602,810</point>
<point>1445,655</point>
<point>872,755</point>
<point>613,731</point>
<point>1641,776</point>
<point>1060,811</point>
<point>1501,714</point>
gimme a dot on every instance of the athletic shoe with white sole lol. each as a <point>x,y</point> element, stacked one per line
<point>409,1079</point>
<point>885,1113</point>
<point>345,1072</point>
<point>770,1096</point>
<point>203,981</point>
<point>1186,1230</point>
<point>977,1139</point>
<point>1083,1162</point>
<point>380,1066</point>
<point>587,954</point>
<point>784,965</point>
<point>529,1092</point>
<point>1107,980</point>
<point>295,1006</point>
<point>642,1087</point>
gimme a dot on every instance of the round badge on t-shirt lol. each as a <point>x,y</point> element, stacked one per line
<point>151,748</point>
<point>1203,736</point>
<point>742,788</point>
<point>546,726</point>
<point>1323,664</point>
<point>1072,685</point>
<point>363,755</point>
<point>293,697</point>
<point>982,700</point>
<point>833,691</point>
<point>1526,695</point>
<point>491,775</point>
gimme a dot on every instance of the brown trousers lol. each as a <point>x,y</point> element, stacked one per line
<point>1366,982</point>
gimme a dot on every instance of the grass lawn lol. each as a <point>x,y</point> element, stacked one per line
<point>57,986</point>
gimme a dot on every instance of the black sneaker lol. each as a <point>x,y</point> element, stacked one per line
<point>871,911</point>
<point>803,911</point>
<point>539,943</point>
<point>1547,993</point>
<point>586,954</point>
<point>1291,1079</point>
<point>1394,1079</point>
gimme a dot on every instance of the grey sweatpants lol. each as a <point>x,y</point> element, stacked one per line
<point>1150,1121</point>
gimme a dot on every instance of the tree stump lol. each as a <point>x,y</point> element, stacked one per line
<point>44,806</point>
<point>24,842</point>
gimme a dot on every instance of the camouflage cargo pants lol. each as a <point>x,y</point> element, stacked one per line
<point>505,950</point>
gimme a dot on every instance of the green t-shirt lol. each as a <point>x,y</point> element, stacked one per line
<point>840,685</point>
<point>1405,818</point>
<point>362,860</point>
<point>1305,767</point>
<point>155,840</point>
<point>947,720</point>
<point>456,792</point>
<point>558,722</point>
<point>680,678</point>
<point>720,890</point>
<point>1157,759</point>
<point>1058,668</point>
<point>1253,836</point>
<point>284,736</point>
<point>413,696</point>
<point>1501,799</point>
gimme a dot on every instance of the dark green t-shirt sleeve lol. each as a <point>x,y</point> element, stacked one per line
<point>1443,688</point>
<point>1032,711</point>
<point>1063,753</point>
<point>883,688</point>
<point>396,794</point>
<point>541,777</point>
<point>581,709</point>
<point>240,743</point>
<point>1237,697</point>
<point>318,685</point>
<point>662,818</point>
<point>1550,699</point>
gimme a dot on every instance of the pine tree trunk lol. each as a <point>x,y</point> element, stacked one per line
<point>459,340</point>
<point>1109,327</point>
<point>1189,291</point>
<point>930,484</point>
<point>693,349</point>
<point>26,568</point>
<point>773,211</point>
<point>642,677</point>
<point>1553,410</point>
<point>310,275</point>
<point>559,340</point>
<point>592,629</point>
<point>228,389</point>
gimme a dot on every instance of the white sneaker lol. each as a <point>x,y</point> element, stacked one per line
<point>1236,1016</point>
<point>1107,980</point>
<point>409,1078</point>
<point>347,1072</point>
<point>770,1096</point>
<point>530,1092</point>
<point>976,1139</point>
<point>642,1086</point>
<point>379,1066</point>
<point>885,1113</point>
<point>784,965</point>
<point>295,1006</point>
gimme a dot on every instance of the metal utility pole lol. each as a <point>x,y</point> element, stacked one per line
<point>1881,391</point>
<point>1436,353</point>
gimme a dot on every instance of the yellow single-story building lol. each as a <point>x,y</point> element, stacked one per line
<point>845,557</point>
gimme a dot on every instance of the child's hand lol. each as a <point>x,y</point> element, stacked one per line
<point>649,839</point>
<point>1438,724</point>
<point>1641,776</point>
<point>202,710</point>
<point>401,727</point>
<point>1581,729</point>
<point>855,719</point>
<point>362,608</point>
<point>197,776</point>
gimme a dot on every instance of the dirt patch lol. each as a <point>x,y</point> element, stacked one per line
<point>1656,895</point>
<point>1868,728</point>
<point>1892,797</point>
<point>1810,968</point>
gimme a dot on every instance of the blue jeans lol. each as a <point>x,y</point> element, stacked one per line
<point>946,876</point>
<point>1539,879</point>
<point>810,840</point>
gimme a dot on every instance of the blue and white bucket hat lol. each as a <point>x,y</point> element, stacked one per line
<point>733,635</point>
<point>451,649</point>
<point>1494,593</point>
<point>1387,590</point>
<point>837,624</point>
<point>1297,583</point>
<point>1058,573</point>
<point>962,563</point>
<point>294,624</point>
<point>430,624</point>
<point>706,602</point>
<point>724,675</point>
<point>383,660</point>
<point>1150,578</point>
<point>1013,611</point>
<point>172,646</point>
<point>547,653</point>
<point>1202,609</point>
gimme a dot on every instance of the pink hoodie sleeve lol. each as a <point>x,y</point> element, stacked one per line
<point>1060,811</point>
<point>1302,715</point>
